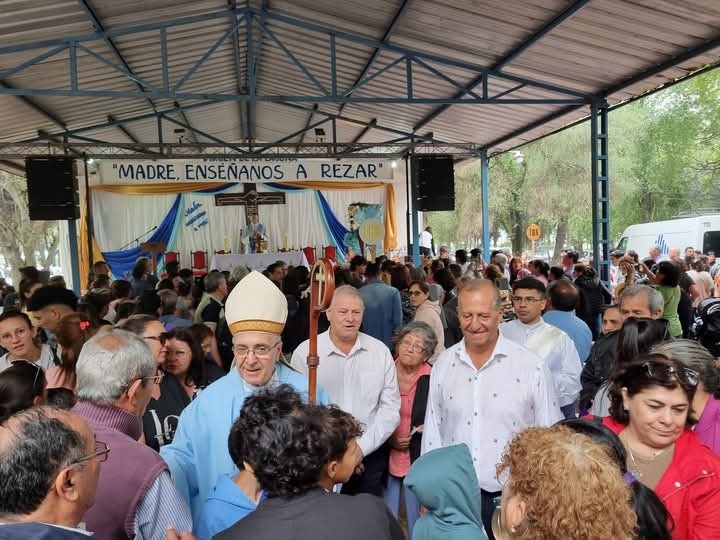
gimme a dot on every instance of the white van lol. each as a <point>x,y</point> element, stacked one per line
<point>699,232</point>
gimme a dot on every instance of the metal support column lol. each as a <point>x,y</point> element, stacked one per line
<point>88,214</point>
<point>415,198</point>
<point>408,214</point>
<point>485,195</point>
<point>600,188</point>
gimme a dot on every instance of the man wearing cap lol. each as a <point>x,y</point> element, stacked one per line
<point>256,311</point>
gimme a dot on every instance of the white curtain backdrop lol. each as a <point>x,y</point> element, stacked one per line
<point>118,219</point>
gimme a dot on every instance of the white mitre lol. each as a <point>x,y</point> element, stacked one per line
<point>256,305</point>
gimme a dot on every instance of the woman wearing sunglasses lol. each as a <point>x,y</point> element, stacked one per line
<point>650,405</point>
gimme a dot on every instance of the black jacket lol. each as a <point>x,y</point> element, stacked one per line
<point>598,366</point>
<point>417,416</point>
<point>318,515</point>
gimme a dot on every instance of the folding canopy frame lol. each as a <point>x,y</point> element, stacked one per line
<point>394,75</point>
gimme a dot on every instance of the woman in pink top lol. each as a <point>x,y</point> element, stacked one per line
<point>415,344</point>
<point>705,408</point>
<point>73,331</point>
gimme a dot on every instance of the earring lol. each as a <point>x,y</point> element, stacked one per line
<point>513,529</point>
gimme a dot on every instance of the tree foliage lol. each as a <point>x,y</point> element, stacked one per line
<point>23,242</point>
<point>664,160</point>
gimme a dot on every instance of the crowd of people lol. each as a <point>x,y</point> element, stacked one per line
<point>458,399</point>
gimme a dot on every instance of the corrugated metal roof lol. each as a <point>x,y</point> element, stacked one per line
<point>599,47</point>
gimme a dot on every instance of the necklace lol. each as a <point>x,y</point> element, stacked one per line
<point>636,468</point>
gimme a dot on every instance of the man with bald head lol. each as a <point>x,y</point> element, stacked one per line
<point>562,297</point>
<point>486,389</point>
<point>358,373</point>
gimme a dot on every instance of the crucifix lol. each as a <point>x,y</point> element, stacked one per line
<point>250,198</point>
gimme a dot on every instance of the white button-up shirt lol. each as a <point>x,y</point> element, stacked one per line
<point>556,348</point>
<point>363,383</point>
<point>485,408</point>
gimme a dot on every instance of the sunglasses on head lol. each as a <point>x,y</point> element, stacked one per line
<point>683,374</point>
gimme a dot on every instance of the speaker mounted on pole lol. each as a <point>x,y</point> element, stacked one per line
<point>435,183</point>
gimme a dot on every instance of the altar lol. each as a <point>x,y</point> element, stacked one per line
<point>257,261</point>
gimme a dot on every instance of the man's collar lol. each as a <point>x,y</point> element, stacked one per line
<point>359,345</point>
<point>500,350</point>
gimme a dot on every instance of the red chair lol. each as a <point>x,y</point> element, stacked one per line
<point>172,256</point>
<point>309,255</point>
<point>199,264</point>
<point>329,253</point>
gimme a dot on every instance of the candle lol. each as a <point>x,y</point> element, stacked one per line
<point>286,242</point>
<point>227,248</point>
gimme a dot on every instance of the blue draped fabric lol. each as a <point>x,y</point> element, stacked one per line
<point>336,231</point>
<point>121,262</point>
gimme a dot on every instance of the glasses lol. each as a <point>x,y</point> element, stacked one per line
<point>416,293</point>
<point>18,333</point>
<point>524,300</point>
<point>684,374</point>
<point>260,351</point>
<point>155,379</point>
<point>412,347</point>
<point>101,453</point>
<point>162,338</point>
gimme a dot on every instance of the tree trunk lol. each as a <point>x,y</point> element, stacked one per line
<point>518,232</point>
<point>560,236</point>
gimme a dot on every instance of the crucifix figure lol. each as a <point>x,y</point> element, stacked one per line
<point>250,198</point>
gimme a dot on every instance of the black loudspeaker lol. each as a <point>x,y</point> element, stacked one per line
<point>436,183</point>
<point>52,188</point>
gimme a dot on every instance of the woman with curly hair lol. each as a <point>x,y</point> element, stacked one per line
<point>558,484</point>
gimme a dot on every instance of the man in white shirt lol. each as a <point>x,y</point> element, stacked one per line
<point>426,242</point>
<point>484,390</point>
<point>547,341</point>
<point>17,335</point>
<point>359,375</point>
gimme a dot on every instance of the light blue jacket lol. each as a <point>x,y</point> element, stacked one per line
<point>445,483</point>
<point>199,454</point>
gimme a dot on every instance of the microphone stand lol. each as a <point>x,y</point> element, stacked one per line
<point>137,240</point>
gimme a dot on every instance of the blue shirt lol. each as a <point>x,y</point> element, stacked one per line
<point>383,311</point>
<point>199,454</point>
<point>574,327</point>
<point>226,505</point>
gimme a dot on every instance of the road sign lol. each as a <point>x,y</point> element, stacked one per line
<point>533,232</point>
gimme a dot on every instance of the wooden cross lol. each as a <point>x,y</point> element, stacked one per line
<point>250,198</point>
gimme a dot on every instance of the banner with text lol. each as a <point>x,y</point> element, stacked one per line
<point>239,170</point>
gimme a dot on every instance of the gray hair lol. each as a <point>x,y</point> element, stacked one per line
<point>421,330</point>
<point>213,281</point>
<point>654,298</point>
<point>696,357</point>
<point>168,300</point>
<point>109,363</point>
<point>238,273</point>
<point>474,285</point>
<point>501,259</point>
<point>417,274</point>
<point>35,445</point>
<point>346,290</point>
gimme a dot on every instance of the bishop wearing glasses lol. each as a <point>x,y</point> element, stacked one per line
<point>256,311</point>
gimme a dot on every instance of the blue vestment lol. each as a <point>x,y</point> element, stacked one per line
<point>199,454</point>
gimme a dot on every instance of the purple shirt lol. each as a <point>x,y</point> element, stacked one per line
<point>708,427</point>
